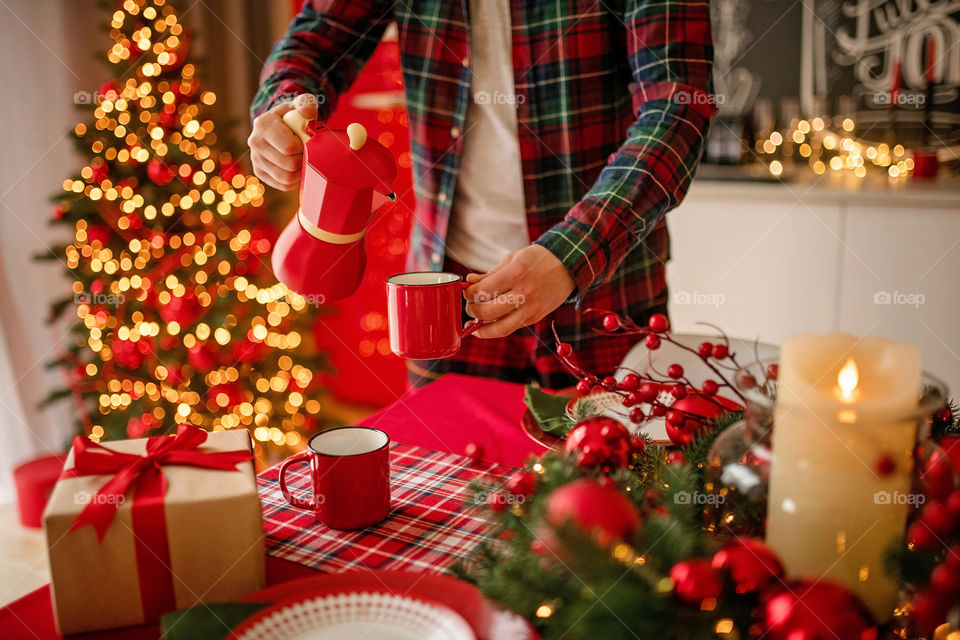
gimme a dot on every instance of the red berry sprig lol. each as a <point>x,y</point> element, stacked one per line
<point>648,388</point>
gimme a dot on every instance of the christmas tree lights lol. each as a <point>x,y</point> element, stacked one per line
<point>178,318</point>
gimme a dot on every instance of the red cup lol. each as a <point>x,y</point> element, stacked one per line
<point>424,312</point>
<point>925,163</point>
<point>349,474</point>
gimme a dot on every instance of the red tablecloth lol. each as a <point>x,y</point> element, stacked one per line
<point>446,415</point>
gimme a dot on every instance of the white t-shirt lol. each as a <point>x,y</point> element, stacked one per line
<point>488,219</point>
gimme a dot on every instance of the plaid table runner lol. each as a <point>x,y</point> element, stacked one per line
<point>428,529</point>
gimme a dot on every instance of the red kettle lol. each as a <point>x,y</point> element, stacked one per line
<point>321,254</point>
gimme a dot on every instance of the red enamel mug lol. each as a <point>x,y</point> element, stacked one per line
<point>424,312</point>
<point>349,475</point>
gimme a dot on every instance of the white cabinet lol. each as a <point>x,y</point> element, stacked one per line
<point>768,260</point>
<point>901,279</point>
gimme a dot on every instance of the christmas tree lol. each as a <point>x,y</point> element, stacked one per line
<point>178,318</point>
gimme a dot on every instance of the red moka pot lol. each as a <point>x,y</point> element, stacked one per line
<point>322,253</point>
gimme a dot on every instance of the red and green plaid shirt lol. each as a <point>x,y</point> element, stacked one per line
<point>613,106</point>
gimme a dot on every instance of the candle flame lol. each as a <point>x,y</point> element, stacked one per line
<point>848,379</point>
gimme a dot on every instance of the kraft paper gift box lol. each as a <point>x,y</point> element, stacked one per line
<point>193,534</point>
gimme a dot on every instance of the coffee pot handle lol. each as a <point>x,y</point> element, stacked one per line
<point>470,327</point>
<point>297,123</point>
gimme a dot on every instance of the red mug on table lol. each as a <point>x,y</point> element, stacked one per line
<point>424,309</point>
<point>349,475</point>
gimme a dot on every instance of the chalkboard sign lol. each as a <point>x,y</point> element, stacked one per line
<point>898,60</point>
<point>869,59</point>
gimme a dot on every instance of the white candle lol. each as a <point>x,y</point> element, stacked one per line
<point>843,404</point>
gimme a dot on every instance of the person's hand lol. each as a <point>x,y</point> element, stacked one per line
<point>275,150</point>
<point>526,286</point>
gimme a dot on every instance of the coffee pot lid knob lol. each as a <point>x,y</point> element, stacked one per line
<point>358,136</point>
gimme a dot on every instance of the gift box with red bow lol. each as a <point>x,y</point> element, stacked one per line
<point>138,528</point>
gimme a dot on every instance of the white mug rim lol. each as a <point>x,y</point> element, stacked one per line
<point>456,278</point>
<point>313,451</point>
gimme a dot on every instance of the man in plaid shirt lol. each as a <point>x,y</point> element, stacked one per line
<point>608,110</point>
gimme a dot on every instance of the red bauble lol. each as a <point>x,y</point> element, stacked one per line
<point>129,354</point>
<point>161,173</point>
<point>100,172</point>
<point>99,233</point>
<point>813,610</point>
<point>203,357</point>
<point>945,580</point>
<point>167,119</point>
<point>675,457</point>
<point>929,610</point>
<point>226,395</point>
<point>919,537</point>
<point>637,415</point>
<point>139,426</point>
<point>230,169</point>
<point>584,387</point>
<point>937,475</point>
<point>174,375</point>
<point>750,564</point>
<point>938,518</point>
<point>697,411</point>
<point>953,505</point>
<point>600,442</point>
<point>658,323</point>
<point>599,509</point>
<point>675,371</point>
<point>110,89</point>
<point>185,309</point>
<point>249,351</point>
<point>695,580</point>
<point>522,483</point>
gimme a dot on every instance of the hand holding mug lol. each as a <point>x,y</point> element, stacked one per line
<point>524,288</point>
<point>424,311</point>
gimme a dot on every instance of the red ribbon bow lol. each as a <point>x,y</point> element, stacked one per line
<point>144,474</point>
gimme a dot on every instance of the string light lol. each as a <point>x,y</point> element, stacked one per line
<point>823,148</point>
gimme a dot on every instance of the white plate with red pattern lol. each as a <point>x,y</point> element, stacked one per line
<point>373,614</point>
